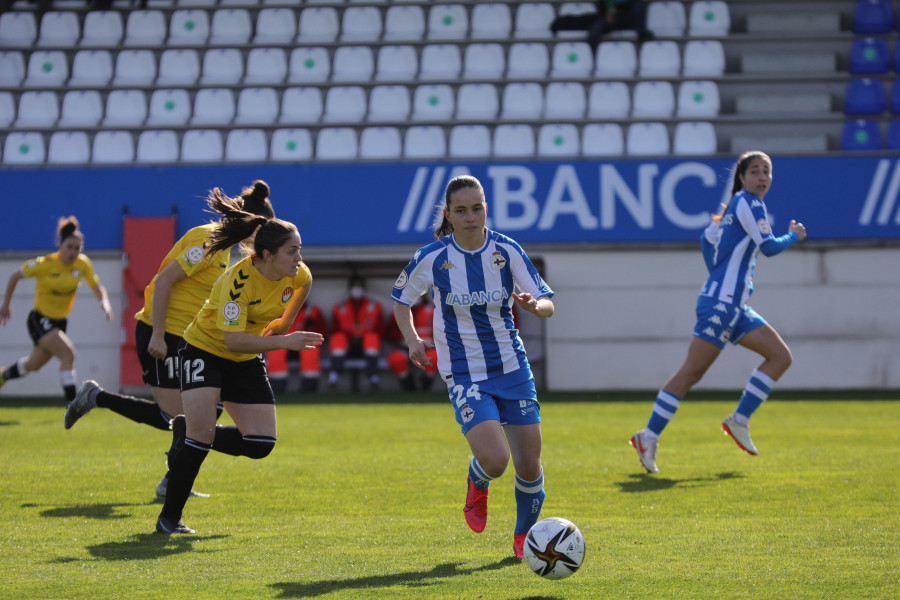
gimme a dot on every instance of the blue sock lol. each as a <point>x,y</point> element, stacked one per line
<point>529,500</point>
<point>478,476</point>
<point>757,391</point>
<point>663,411</point>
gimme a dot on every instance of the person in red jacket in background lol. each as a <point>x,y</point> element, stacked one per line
<point>398,359</point>
<point>310,318</point>
<point>357,328</point>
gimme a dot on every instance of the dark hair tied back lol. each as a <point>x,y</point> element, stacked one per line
<point>255,200</point>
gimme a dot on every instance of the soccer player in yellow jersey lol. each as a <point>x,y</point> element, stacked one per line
<point>171,300</point>
<point>58,276</point>
<point>249,309</point>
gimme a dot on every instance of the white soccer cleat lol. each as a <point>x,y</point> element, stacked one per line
<point>740,434</point>
<point>646,449</point>
<point>81,404</point>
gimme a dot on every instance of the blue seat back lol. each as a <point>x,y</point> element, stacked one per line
<point>862,134</point>
<point>873,16</point>
<point>870,55</point>
<point>865,97</point>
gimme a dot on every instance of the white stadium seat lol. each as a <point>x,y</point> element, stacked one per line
<point>469,141</point>
<point>37,109</point>
<point>527,60</point>
<point>572,60</point>
<point>256,106</point>
<point>145,28</point>
<point>178,66</point>
<point>609,100</point>
<point>69,147</point>
<point>336,143</point>
<point>213,106</point>
<point>698,99</point>
<point>433,103</point>
<point>202,146</point>
<point>389,103</point>
<point>491,20</point>
<point>440,61</point>
<point>477,101</point>
<point>484,61</point>
<point>345,103</point>
<point>169,107</point>
<point>602,139</point>
<point>447,22</point>
<point>188,28</point>
<point>266,66</point>
<point>653,99</point>
<point>157,146</point>
<point>291,145</point>
<point>112,147</point>
<point>396,63</point>
<point>695,138</point>
<point>59,28</point>
<point>135,68</point>
<point>424,141</point>
<point>558,140</point>
<point>125,108</point>
<point>91,68</point>
<point>102,28</point>
<point>47,68</point>
<point>647,139</point>
<point>318,24</point>
<point>404,23</point>
<point>615,60</point>
<point>309,64</point>
<point>353,63</point>
<point>379,143</point>
<point>513,140</point>
<point>246,145</point>
<point>301,105</point>
<point>23,148</point>
<point>522,100</point>
<point>564,100</point>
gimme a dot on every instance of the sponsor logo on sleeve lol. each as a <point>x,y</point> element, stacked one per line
<point>764,227</point>
<point>194,255</point>
<point>231,310</point>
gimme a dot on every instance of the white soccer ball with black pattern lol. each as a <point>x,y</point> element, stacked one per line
<point>554,548</point>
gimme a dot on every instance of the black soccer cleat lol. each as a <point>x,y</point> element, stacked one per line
<point>168,526</point>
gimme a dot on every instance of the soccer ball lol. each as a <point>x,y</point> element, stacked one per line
<point>554,548</point>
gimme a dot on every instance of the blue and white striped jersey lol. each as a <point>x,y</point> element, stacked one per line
<point>474,333</point>
<point>735,247</point>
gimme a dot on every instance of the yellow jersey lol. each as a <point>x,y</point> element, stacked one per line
<point>241,300</point>
<point>56,283</point>
<point>188,294</point>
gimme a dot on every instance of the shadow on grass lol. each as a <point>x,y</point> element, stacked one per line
<point>644,482</point>
<point>144,546</point>
<point>290,589</point>
<point>86,511</point>
<point>9,423</point>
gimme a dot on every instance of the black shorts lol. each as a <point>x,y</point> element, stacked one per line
<point>161,373</point>
<point>39,325</point>
<point>242,382</point>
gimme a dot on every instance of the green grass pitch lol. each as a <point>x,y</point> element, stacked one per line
<point>365,501</point>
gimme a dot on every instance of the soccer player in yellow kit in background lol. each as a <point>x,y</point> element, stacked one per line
<point>58,276</point>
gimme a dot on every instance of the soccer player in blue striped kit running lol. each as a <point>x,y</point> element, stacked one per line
<point>730,247</point>
<point>474,273</point>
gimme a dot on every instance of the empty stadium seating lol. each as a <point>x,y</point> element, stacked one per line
<point>222,66</point>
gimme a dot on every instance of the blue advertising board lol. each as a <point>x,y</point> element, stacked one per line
<point>618,201</point>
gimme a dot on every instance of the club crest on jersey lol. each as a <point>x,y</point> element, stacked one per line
<point>497,260</point>
<point>402,280</point>
<point>194,254</point>
<point>286,294</point>
<point>231,310</point>
<point>76,274</point>
<point>764,227</point>
<point>726,335</point>
<point>467,413</point>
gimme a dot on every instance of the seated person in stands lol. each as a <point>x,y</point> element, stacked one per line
<point>357,328</point>
<point>398,359</point>
<point>611,15</point>
<point>280,362</point>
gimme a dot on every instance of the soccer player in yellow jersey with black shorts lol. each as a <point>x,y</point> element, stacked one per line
<point>171,300</point>
<point>249,308</point>
<point>58,276</point>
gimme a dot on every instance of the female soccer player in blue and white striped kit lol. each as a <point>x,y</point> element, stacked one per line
<point>730,247</point>
<point>473,273</point>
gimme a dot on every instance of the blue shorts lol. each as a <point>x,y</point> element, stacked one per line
<point>718,322</point>
<point>512,402</point>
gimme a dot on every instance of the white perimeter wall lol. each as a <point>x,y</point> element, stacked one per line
<point>623,320</point>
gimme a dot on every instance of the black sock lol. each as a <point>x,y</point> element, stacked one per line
<point>12,371</point>
<point>69,392</point>
<point>183,469</point>
<point>229,440</point>
<point>136,409</point>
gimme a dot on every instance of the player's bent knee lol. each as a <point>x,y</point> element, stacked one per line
<point>258,446</point>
